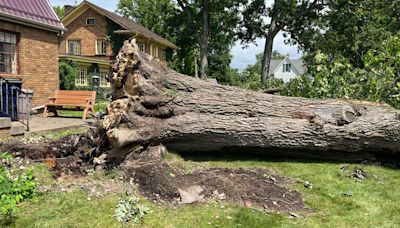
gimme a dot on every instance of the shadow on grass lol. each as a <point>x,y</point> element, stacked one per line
<point>7,221</point>
<point>392,162</point>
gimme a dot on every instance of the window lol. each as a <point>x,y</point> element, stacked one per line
<point>163,56</point>
<point>103,78</point>
<point>81,80</point>
<point>286,67</point>
<point>74,47</point>
<point>142,47</point>
<point>101,47</point>
<point>154,51</point>
<point>8,53</point>
<point>90,21</point>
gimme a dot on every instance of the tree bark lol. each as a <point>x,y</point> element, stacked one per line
<point>202,39</point>
<point>204,42</point>
<point>269,42</point>
<point>156,105</point>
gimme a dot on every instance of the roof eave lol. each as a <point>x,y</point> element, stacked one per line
<point>85,60</point>
<point>96,8</point>
<point>31,23</point>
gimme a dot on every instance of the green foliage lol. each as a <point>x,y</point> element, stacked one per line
<point>116,40</point>
<point>336,77</point>
<point>152,14</point>
<point>68,71</point>
<point>60,11</point>
<point>384,66</point>
<point>130,209</point>
<point>250,77</point>
<point>352,29</point>
<point>167,19</point>
<point>14,187</point>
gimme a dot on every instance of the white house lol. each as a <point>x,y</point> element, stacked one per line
<point>286,69</point>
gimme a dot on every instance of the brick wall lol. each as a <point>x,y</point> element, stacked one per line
<point>38,61</point>
<point>86,33</point>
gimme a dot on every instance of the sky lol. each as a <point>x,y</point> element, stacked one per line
<point>241,57</point>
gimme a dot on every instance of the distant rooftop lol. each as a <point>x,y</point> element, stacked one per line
<point>35,12</point>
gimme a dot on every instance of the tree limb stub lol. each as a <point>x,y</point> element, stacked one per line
<point>156,105</point>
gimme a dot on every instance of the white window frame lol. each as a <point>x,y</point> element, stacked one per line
<point>10,55</point>
<point>152,49</point>
<point>163,56</point>
<point>90,18</point>
<point>103,80</point>
<point>142,47</point>
<point>105,46</point>
<point>287,67</point>
<point>82,78</point>
<point>76,51</point>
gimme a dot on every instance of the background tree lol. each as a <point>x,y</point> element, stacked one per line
<point>183,26</point>
<point>276,55</point>
<point>68,72</point>
<point>351,29</point>
<point>152,14</point>
<point>260,20</point>
<point>59,11</point>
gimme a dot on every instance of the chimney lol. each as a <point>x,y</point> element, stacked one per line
<point>68,9</point>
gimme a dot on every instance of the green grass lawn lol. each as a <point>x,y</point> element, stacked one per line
<point>372,202</point>
<point>97,107</point>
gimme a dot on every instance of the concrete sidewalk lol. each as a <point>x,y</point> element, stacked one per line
<point>39,124</point>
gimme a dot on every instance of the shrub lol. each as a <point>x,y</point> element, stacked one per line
<point>14,187</point>
<point>130,209</point>
<point>68,72</point>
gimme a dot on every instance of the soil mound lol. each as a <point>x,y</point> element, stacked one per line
<point>161,183</point>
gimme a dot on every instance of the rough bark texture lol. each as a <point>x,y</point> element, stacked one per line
<point>204,41</point>
<point>156,105</point>
<point>269,41</point>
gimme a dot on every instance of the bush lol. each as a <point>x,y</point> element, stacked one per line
<point>130,209</point>
<point>68,72</point>
<point>14,187</point>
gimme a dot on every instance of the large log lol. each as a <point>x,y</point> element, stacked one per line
<point>156,105</point>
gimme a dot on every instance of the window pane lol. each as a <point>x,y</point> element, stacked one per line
<point>2,68</point>
<point>13,39</point>
<point>2,47</point>
<point>7,38</point>
<point>6,48</point>
<point>2,58</point>
<point>8,64</point>
<point>1,36</point>
<point>90,21</point>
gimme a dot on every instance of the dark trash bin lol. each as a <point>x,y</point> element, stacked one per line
<point>9,93</point>
<point>25,106</point>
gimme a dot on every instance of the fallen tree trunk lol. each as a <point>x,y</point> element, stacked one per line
<point>156,105</point>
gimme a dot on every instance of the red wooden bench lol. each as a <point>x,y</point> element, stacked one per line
<point>71,100</point>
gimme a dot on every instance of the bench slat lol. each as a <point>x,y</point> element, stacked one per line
<point>73,98</point>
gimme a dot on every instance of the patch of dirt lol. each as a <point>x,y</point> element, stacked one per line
<point>255,188</point>
<point>71,155</point>
<point>147,171</point>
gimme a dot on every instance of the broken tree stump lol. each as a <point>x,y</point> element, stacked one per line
<point>153,105</point>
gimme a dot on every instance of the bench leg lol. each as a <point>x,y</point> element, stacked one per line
<point>45,112</point>
<point>84,114</point>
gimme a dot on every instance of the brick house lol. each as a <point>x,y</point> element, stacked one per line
<point>29,34</point>
<point>94,37</point>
